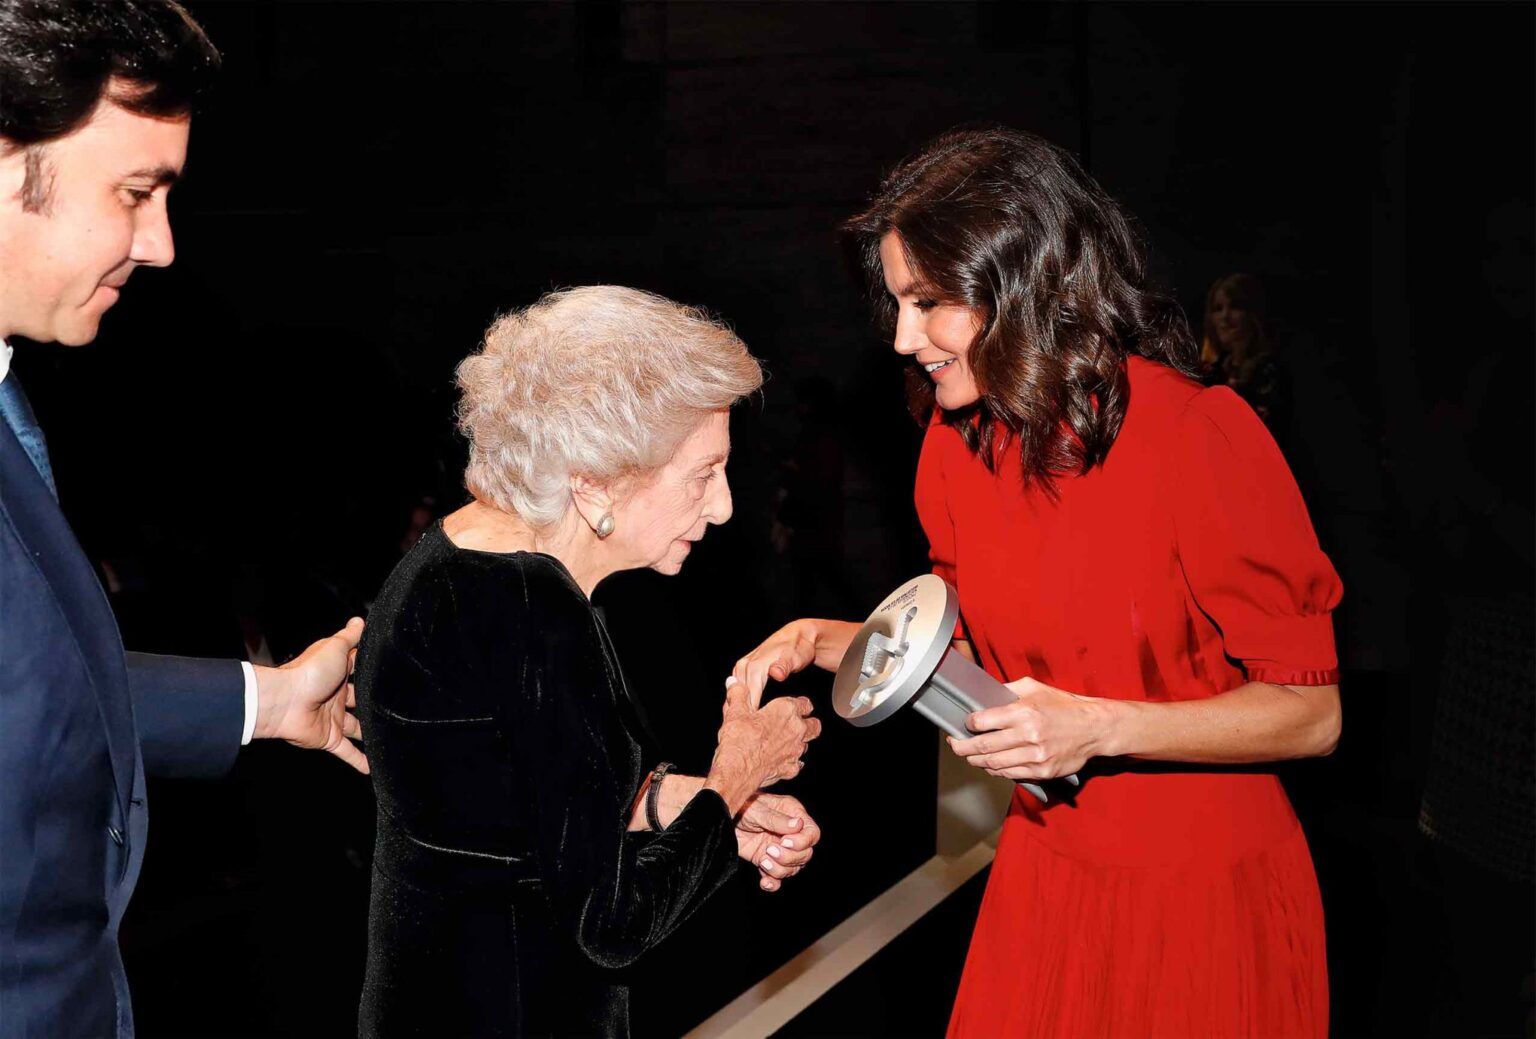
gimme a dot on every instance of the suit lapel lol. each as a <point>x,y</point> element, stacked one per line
<point>26,500</point>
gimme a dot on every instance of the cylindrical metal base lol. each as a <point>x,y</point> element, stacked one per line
<point>957,690</point>
<point>903,654</point>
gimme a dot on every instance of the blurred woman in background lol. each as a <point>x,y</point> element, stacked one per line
<point>1238,347</point>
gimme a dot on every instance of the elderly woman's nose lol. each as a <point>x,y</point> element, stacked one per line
<point>720,504</point>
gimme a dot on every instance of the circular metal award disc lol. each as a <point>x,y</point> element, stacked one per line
<point>895,652</point>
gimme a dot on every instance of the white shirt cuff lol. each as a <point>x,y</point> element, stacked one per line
<point>250,703</point>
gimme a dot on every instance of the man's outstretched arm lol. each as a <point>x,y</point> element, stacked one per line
<point>193,715</point>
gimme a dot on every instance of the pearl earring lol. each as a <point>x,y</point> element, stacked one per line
<point>604,526</point>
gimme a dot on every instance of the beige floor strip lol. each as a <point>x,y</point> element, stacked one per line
<point>771,1003</point>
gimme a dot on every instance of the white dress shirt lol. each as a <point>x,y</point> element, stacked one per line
<point>246,669</point>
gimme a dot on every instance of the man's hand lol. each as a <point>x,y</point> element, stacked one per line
<point>306,700</point>
<point>777,835</point>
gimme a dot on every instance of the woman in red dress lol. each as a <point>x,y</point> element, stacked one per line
<point>1133,558</point>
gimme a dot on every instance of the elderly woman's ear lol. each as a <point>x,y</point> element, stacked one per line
<point>594,502</point>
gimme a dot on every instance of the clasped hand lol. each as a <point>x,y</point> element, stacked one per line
<point>778,836</point>
<point>1046,733</point>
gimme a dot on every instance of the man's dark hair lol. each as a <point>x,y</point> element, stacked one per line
<point>57,58</point>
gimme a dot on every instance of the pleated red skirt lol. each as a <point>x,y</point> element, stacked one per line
<point>1208,946</point>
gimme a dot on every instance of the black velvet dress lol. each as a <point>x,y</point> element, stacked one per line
<point>507,895</point>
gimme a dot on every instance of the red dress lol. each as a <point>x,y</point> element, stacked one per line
<point>1166,902</point>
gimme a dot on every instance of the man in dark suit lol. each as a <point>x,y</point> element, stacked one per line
<point>95,103</point>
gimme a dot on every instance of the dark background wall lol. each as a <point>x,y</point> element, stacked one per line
<point>243,447</point>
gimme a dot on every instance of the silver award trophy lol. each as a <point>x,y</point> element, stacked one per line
<point>902,655</point>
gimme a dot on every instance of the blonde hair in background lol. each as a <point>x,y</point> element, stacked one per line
<point>1241,290</point>
<point>601,381</point>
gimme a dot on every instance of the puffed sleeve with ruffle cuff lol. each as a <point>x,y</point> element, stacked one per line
<point>1247,547</point>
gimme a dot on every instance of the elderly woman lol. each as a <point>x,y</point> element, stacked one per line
<point>528,847</point>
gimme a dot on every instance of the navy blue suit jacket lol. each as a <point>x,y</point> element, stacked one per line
<point>81,723</point>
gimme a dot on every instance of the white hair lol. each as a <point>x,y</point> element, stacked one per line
<point>599,381</point>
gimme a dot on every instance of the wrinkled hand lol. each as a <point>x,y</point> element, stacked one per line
<point>777,835</point>
<point>307,700</point>
<point>769,740</point>
<point>792,648</point>
<point>758,745</point>
<point>1046,733</point>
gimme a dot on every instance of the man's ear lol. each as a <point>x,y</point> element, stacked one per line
<point>593,500</point>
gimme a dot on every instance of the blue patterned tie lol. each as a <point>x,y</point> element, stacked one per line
<point>18,415</point>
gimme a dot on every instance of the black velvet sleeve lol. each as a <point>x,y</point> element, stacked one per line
<point>614,893</point>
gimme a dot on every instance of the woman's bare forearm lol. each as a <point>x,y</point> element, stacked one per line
<point>831,638</point>
<point>1253,723</point>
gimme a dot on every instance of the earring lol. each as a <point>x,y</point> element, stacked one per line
<point>604,526</point>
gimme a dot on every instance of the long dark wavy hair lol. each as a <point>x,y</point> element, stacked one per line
<point>1009,225</point>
